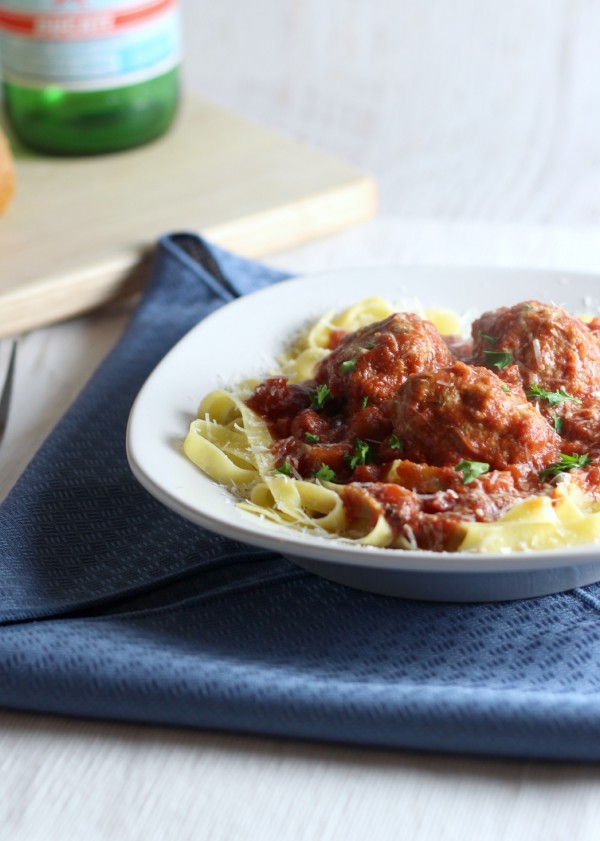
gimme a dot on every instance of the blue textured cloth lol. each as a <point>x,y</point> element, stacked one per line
<point>111,606</point>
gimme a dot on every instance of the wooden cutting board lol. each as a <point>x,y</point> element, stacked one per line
<point>79,229</point>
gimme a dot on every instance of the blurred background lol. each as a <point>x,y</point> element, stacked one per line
<point>462,110</point>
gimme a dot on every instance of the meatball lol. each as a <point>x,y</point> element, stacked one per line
<point>465,413</point>
<point>550,347</point>
<point>579,423</point>
<point>369,365</point>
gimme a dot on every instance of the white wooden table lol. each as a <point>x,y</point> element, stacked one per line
<point>482,123</point>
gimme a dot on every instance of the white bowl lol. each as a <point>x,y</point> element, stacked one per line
<point>241,340</point>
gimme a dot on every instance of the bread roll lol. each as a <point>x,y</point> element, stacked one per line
<point>7,174</point>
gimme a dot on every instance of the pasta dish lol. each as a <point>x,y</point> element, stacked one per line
<point>392,428</point>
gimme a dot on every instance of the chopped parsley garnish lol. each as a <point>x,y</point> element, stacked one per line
<point>506,389</point>
<point>490,340</point>
<point>348,366</point>
<point>319,397</point>
<point>364,402</point>
<point>311,437</point>
<point>369,345</point>
<point>565,464</point>
<point>471,470</point>
<point>557,423</point>
<point>286,469</point>
<point>554,398</point>
<point>325,473</point>
<point>396,443</point>
<point>497,358</point>
<point>361,455</point>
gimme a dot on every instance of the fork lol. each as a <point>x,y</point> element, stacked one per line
<point>6,392</point>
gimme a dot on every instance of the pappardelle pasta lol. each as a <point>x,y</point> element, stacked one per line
<point>390,428</point>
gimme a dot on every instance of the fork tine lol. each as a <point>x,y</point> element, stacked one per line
<point>6,393</point>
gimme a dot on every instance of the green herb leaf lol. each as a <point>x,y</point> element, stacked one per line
<point>348,366</point>
<point>557,423</point>
<point>506,389</point>
<point>471,470</point>
<point>311,437</point>
<point>364,402</point>
<point>369,345</point>
<point>565,464</point>
<point>497,358</point>
<point>319,397</point>
<point>396,443</point>
<point>489,340</point>
<point>286,469</point>
<point>325,473</point>
<point>361,455</point>
<point>554,398</point>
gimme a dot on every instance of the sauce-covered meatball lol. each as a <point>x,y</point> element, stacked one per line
<point>466,413</point>
<point>578,422</point>
<point>551,348</point>
<point>369,365</point>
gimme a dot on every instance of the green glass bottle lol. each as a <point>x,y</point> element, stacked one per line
<point>89,76</point>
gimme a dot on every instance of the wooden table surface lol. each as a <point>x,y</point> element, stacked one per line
<point>482,124</point>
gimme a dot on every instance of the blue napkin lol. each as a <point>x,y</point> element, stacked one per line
<point>113,607</point>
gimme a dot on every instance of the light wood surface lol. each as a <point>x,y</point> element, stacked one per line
<point>481,123</point>
<point>462,110</point>
<point>83,780</point>
<point>79,228</point>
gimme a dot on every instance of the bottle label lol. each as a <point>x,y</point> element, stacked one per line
<point>87,44</point>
